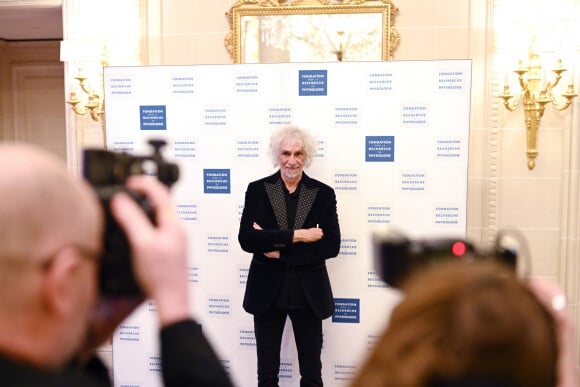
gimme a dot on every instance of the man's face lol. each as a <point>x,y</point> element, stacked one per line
<point>291,158</point>
<point>51,250</point>
<point>86,248</point>
<point>84,299</point>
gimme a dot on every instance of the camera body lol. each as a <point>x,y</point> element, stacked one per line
<point>107,172</point>
<point>397,256</point>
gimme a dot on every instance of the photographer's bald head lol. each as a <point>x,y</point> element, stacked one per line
<point>50,239</point>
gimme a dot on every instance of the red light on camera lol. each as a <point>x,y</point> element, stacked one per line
<point>458,249</point>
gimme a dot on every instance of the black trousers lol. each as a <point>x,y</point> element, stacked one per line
<point>268,329</point>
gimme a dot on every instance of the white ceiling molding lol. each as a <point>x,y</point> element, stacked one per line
<point>30,20</point>
<point>30,3</point>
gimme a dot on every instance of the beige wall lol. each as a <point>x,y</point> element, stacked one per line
<point>180,32</point>
<point>193,31</point>
<point>31,94</point>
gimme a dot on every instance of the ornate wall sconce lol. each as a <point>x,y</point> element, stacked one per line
<point>537,91</point>
<point>92,102</point>
<point>85,99</point>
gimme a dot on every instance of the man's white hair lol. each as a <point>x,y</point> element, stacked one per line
<point>294,135</point>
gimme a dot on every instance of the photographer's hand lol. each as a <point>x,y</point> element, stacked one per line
<point>159,252</point>
<point>552,297</point>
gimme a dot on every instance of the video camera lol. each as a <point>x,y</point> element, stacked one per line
<point>396,256</point>
<point>107,172</point>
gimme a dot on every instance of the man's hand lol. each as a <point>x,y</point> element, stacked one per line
<point>159,261</point>
<point>307,235</point>
<point>159,252</point>
<point>273,254</point>
<point>553,299</point>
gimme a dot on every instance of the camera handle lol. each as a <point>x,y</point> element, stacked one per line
<point>167,173</point>
<point>157,145</point>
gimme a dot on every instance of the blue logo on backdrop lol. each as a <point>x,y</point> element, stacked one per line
<point>379,213</point>
<point>227,365</point>
<point>153,117</point>
<point>129,333</point>
<point>243,275</point>
<point>450,81</point>
<point>346,181</point>
<point>218,244</point>
<point>346,310</point>
<point>248,148</point>
<point>321,148</point>
<point>154,363</point>
<point>380,81</point>
<point>281,115</point>
<point>219,306</point>
<point>414,115</point>
<point>372,340</point>
<point>374,281</point>
<point>380,148</point>
<point>121,86</point>
<point>247,338</point>
<point>413,181</point>
<point>312,82</point>
<point>344,371</point>
<point>447,215</point>
<point>346,115</point>
<point>247,84</point>
<point>193,275</point>
<point>151,307</point>
<point>348,246</point>
<point>448,148</point>
<point>216,181</point>
<point>185,148</point>
<point>188,212</point>
<point>182,84</point>
<point>215,116</point>
<point>123,145</point>
<point>285,373</point>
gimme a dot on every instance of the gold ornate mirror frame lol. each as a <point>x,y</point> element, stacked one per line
<point>252,22</point>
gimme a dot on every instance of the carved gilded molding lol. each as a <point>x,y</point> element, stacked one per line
<point>243,8</point>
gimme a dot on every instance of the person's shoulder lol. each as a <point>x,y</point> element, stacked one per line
<point>16,374</point>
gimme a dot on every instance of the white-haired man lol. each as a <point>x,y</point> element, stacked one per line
<point>290,225</point>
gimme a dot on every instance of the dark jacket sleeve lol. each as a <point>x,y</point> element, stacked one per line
<point>188,359</point>
<point>97,370</point>
<point>257,209</point>
<point>324,215</point>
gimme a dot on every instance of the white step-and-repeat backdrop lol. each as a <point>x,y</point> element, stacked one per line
<point>393,142</point>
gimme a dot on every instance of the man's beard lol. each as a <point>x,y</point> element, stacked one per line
<point>292,173</point>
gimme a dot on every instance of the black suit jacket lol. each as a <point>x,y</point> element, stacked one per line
<point>265,205</point>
